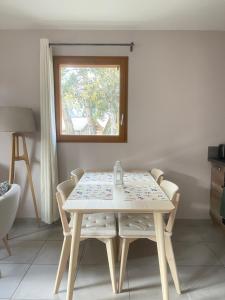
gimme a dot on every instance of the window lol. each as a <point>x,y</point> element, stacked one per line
<point>91,98</point>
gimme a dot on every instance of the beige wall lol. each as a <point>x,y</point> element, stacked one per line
<point>176,106</point>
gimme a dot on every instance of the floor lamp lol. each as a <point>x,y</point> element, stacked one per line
<point>19,121</point>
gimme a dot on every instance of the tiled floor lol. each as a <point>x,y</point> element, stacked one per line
<point>30,272</point>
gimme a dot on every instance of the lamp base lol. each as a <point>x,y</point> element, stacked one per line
<point>17,156</point>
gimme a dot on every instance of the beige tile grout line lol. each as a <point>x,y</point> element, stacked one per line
<point>214,252</point>
<point>44,242</point>
<point>30,233</point>
<point>31,264</point>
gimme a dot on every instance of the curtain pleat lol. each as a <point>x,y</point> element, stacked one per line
<point>49,169</point>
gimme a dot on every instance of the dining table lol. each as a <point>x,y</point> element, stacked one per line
<point>139,193</point>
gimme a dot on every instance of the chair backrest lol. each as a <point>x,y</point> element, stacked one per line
<point>62,214</point>
<point>77,174</point>
<point>9,203</point>
<point>157,174</point>
<point>65,188</point>
<point>171,190</point>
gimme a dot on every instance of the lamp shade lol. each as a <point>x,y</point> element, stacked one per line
<point>16,119</point>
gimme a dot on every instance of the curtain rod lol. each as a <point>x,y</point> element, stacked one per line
<point>131,45</point>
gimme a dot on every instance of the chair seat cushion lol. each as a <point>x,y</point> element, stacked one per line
<point>97,224</point>
<point>136,225</point>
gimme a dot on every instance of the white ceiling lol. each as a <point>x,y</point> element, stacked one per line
<point>113,14</point>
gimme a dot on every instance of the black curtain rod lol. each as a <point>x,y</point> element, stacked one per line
<point>131,45</point>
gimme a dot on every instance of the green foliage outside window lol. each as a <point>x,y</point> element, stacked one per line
<point>90,100</point>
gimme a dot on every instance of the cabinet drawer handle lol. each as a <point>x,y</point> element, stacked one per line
<point>219,169</point>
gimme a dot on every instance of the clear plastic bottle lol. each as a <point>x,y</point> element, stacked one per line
<point>118,173</point>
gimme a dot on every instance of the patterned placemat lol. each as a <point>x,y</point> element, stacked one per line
<point>93,177</point>
<point>133,192</point>
<point>99,186</point>
<point>107,177</point>
<point>93,191</point>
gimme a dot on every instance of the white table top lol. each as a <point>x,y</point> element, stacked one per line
<point>95,192</point>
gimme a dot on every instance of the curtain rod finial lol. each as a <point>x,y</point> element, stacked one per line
<point>131,46</point>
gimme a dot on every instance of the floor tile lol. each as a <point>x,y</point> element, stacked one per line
<point>194,254</point>
<point>22,251</point>
<point>205,282</point>
<point>219,249</point>
<point>12,274</point>
<point>193,222</point>
<point>52,233</point>
<point>93,282</point>
<point>150,258</point>
<point>212,233</point>
<point>50,253</point>
<point>25,227</point>
<point>144,283</point>
<point>186,233</point>
<point>56,234</point>
<point>94,252</point>
<point>143,248</point>
<point>39,283</point>
<point>199,251</point>
<point>41,235</point>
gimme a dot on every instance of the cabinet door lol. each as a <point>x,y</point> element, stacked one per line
<point>215,201</point>
<point>218,177</point>
<point>217,184</point>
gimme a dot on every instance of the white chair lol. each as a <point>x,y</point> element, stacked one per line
<point>77,174</point>
<point>9,203</point>
<point>101,226</point>
<point>141,226</point>
<point>157,174</point>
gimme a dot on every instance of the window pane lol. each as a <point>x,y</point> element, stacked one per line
<point>90,98</point>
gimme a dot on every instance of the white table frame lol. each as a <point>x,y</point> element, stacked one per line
<point>80,207</point>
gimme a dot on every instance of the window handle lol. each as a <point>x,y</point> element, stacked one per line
<point>121,121</point>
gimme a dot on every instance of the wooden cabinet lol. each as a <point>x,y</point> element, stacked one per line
<point>217,185</point>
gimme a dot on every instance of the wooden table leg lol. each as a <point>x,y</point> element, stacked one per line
<point>77,222</point>
<point>159,229</point>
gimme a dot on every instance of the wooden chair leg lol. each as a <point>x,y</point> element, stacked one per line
<point>111,260</point>
<point>5,241</point>
<point>124,252</point>
<point>119,249</point>
<point>172,263</point>
<point>62,262</point>
<point>115,247</point>
<point>160,240</point>
<point>74,250</point>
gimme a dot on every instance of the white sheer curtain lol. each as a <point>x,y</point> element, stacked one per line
<point>49,170</point>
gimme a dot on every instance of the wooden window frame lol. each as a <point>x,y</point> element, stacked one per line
<point>122,61</point>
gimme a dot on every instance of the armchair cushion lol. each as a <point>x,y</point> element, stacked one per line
<point>4,187</point>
